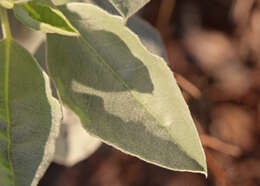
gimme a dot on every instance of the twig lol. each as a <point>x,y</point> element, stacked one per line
<point>216,144</point>
<point>164,15</point>
<point>188,86</point>
<point>216,170</point>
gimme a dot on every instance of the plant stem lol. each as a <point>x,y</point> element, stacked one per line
<point>164,15</point>
<point>5,23</point>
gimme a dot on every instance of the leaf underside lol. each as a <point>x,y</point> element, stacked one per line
<point>123,93</point>
<point>28,117</point>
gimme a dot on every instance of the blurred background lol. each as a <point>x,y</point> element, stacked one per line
<point>213,48</point>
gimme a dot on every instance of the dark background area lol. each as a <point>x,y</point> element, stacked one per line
<point>214,49</point>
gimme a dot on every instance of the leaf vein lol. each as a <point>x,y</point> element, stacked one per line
<point>7,74</point>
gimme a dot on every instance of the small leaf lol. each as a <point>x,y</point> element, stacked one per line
<point>29,117</point>
<point>128,7</point>
<point>43,18</point>
<point>123,93</point>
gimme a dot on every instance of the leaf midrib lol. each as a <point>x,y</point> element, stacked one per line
<point>6,97</point>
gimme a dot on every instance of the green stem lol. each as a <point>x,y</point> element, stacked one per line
<point>5,23</point>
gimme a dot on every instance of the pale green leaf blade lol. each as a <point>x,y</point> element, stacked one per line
<point>29,117</point>
<point>43,18</point>
<point>128,7</point>
<point>123,93</point>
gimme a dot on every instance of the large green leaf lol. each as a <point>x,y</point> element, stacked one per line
<point>29,117</point>
<point>71,148</point>
<point>43,18</point>
<point>123,93</point>
<point>128,7</point>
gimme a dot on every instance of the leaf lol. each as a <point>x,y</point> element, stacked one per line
<point>128,7</point>
<point>71,148</point>
<point>123,93</point>
<point>73,144</point>
<point>43,18</point>
<point>29,117</point>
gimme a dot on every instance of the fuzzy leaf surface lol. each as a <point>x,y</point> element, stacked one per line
<point>123,93</point>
